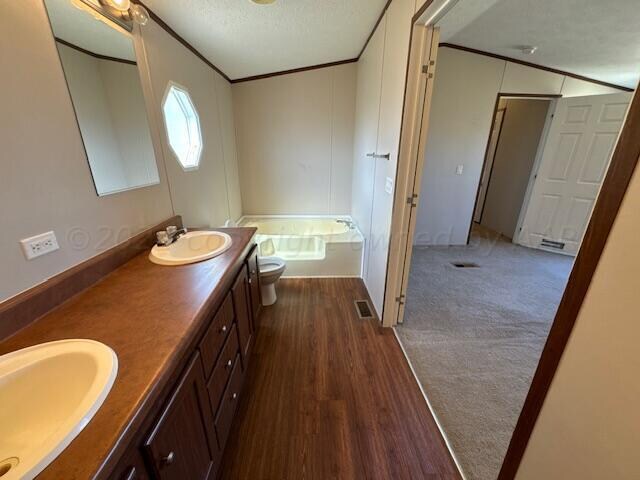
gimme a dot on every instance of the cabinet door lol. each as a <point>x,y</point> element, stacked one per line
<point>254,286</point>
<point>240,295</point>
<point>229,404</point>
<point>182,444</point>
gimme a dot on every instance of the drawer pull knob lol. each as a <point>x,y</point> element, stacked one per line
<point>229,363</point>
<point>168,460</point>
<point>250,282</point>
<point>223,329</point>
<point>234,396</point>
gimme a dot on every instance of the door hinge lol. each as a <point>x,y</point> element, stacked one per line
<point>425,68</point>
<point>400,299</point>
<point>412,200</point>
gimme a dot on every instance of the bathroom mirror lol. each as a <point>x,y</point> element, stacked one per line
<point>99,63</point>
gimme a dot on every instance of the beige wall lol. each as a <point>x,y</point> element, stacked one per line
<point>200,196</point>
<point>110,106</point>
<point>460,121</point>
<point>295,141</point>
<point>464,96</point>
<point>520,136</point>
<point>45,182</point>
<point>589,426</point>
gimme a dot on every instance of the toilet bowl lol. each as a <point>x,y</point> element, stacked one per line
<point>271,268</point>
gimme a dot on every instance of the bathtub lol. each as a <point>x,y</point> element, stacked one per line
<point>311,246</point>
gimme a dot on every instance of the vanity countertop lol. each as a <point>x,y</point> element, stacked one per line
<point>151,316</point>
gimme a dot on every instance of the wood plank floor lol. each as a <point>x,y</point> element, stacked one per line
<point>328,395</point>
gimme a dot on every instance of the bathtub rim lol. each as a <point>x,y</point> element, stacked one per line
<point>329,237</point>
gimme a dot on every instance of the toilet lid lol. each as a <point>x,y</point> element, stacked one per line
<point>270,264</point>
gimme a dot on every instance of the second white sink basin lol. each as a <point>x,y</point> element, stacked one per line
<point>48,394</point>
<point>191,247</point>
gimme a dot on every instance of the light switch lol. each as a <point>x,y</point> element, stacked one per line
<point>388,185</point>
<point>459,169</point>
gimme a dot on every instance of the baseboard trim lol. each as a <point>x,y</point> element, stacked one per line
<point>284,277</point>
<point>433,413</point>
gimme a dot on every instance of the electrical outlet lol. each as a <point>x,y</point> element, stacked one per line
<point>39,245</point>
<point>388,185</point>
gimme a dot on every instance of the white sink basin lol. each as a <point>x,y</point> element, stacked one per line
<point>48,394</point>
<point>191,247</point>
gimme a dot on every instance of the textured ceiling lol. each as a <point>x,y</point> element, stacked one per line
<point>244,39</point>
<point>84,30</point>
<point>595,38</point>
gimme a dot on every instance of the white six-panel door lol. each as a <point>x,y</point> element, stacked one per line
<point>576,155</point>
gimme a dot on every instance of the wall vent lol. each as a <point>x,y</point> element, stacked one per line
<point>552,244</point>
<point>364,309</point>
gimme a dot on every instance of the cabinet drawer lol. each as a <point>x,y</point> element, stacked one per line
<point>131,467</point>
<point>222,370</point>
<point>182,444</point>
<point>218,331</point>
<point>229,403</point>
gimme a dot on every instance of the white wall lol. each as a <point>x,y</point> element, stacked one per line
<point>465,91</point>
<point>295,138</point>
<point>522,128</point>
<point>45,182</point>
<point>397,32</point>
<point>589,426</point>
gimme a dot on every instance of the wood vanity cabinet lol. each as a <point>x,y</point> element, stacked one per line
<point>254,285</point>
<point>182,444</point>
<point>188,434</point>
<point>242,307</point>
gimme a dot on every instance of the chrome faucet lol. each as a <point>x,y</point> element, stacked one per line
<point>348,223</point>
<point>166,237</point>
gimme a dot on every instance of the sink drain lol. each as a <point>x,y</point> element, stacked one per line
<point>7,464</point>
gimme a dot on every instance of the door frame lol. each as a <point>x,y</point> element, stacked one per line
<point>499,97</point>
<point>484,164</point>
<point>423,48</point>
<point>534,170</point>
<point>614,187</point>
<point>621,168</point>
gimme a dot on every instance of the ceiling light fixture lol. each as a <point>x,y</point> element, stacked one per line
<point>529,49</point>
<point>139,14</point>
<point>120,5</point>
<point>127,10</point>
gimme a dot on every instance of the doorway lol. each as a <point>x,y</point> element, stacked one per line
<point>477,314</point>
<point>516,136</point>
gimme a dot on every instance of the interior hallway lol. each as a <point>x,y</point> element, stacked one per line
<point>331,396</point>
<point>475,335</point>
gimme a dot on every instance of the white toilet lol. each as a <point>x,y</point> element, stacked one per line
<point>271,269</point>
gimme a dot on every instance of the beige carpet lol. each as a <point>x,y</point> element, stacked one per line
<point>475,335</point>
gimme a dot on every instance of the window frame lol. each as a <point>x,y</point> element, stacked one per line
<point>191,114</point>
